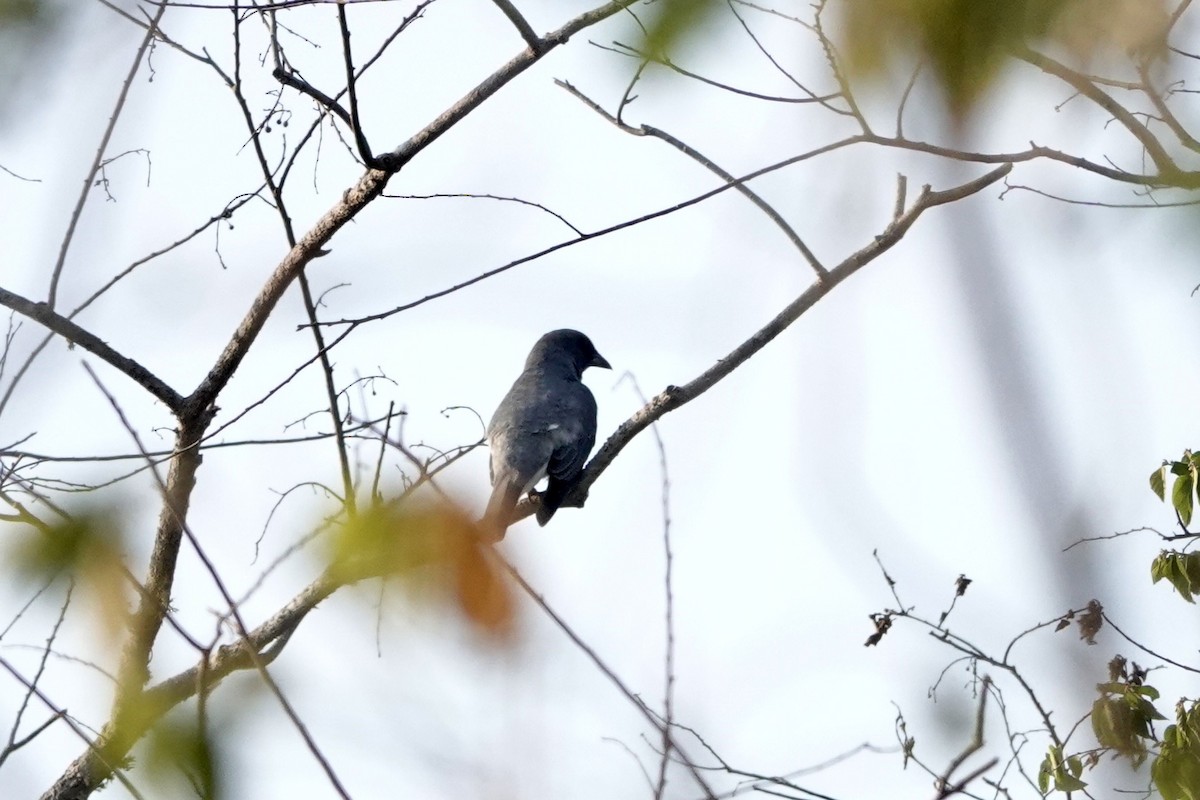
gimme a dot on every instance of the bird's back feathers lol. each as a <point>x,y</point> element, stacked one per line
<point>544,427</point>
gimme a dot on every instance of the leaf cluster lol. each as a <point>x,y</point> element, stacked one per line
<point>1176,771</point>
<point>1123,718</point>
<point>1181,570</point>
<point>1183,491</point>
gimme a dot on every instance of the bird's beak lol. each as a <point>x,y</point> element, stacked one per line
<point>599,361</point>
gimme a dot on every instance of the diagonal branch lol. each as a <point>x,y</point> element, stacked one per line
<point>674,397</point>
<point>695,155</point>
<point>43,313</point>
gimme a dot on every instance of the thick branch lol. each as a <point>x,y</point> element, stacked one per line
<point>41,312</point>
<point>129,718</point>
<point>268,639</point>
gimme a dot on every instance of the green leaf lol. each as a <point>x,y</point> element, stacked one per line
<point>1171,565</point>
<point>1146,691</point>
<point>1181,496</point>
<point>1044,775</point>
<point>1063,772</point>
<point>1190,566</point>
<point>1176,771</point>
<point>1068,783</point>
<point>1158,482</point>
<point>438,552</point>
<point>1147,710</point>
<point>1158,567</point>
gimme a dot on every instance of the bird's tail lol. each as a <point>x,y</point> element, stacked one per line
<point>556,492</point>
<point>500,507</point>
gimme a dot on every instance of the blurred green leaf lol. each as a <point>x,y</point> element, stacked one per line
<point>966,44</point>
<point>26,27</point>
<point>16,12</point>
<point>675,21</point>
<point>181,746</point>
<point>89,548</point>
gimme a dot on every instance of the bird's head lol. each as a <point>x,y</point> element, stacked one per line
<point>567,348</point>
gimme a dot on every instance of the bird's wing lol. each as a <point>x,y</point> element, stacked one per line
<point>571,429</point>
<point>573,443</point>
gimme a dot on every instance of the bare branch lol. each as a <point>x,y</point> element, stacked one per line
<point>94,750</point>
<point>43,313</point>
<point>1080,83</point>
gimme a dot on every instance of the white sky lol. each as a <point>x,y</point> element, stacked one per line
<point>996,387</point>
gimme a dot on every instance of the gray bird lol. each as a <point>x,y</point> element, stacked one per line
<point>544,427</point>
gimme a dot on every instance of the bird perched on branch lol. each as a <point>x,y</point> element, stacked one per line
<point>544,427</point>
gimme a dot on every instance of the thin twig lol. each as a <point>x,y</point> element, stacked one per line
<point>360,137</point>
<point>608,673</point>
<point>98,159</point>
<point>1143,647</point>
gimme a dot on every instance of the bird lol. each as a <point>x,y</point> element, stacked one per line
<point>543,428</point>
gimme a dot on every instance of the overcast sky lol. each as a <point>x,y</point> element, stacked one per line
<point>996,387</point>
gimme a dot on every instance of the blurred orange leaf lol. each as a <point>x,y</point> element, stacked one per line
<point>434,549</point>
